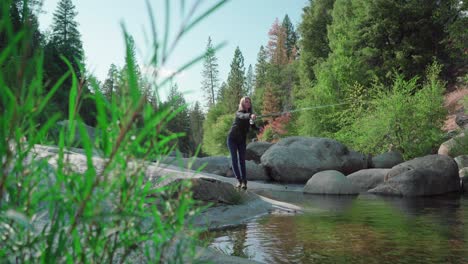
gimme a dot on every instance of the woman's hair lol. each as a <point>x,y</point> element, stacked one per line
<point>241,104</point>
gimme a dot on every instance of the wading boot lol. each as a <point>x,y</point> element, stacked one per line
<point>239,184</point>
<point>244,185</point>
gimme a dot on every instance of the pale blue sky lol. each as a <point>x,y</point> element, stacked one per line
<point>243,23</point>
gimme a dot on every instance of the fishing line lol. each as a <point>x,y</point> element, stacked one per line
<point>298,110</point>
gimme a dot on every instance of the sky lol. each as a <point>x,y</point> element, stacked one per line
<point>238,23</point>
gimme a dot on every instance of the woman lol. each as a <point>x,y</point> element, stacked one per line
<point>236,140</point>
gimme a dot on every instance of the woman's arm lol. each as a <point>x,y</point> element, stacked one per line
<point>242,115</point>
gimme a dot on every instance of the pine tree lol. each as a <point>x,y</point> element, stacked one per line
<point>249,81</point>
<point>181,122</point>
<point>277,44</point>
<point>261,68</point>
<point>196,125</point>
<point>112,81</point>
<point>291,38</point>
<point>210,74</point>
<point>65,35</point>
<point>64,40</point>
<point>236,81</point>
<point>314,39</point>
<point>270,102</point>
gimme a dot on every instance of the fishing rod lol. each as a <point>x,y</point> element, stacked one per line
<point>297,110</point>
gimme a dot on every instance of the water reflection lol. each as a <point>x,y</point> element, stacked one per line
<point>363,229</point>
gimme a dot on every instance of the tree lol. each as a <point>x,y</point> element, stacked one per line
<point>236,81</point>
<point>112,81</point>
<point>314,40</point>
<point>64,40</point>
<point>261,68</point>
<point>210,74</point>
<point>249,81</point>
<point>196,126</point>
<point>291,38</point>
<point>65,35</point>
<point>277,44</point>
<point>181,121</point>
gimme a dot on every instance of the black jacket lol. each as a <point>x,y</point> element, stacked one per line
<point>240,126</point>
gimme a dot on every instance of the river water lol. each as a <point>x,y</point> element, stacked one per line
<point>353,229</point>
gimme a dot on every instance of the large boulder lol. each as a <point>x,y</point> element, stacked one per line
<point>78,140</point>
<point>256,149</point>
<point>428,175</point>
<point>330,182</point>
<point>386,160</point>
<point>296,159</point>
<point>367,179</point>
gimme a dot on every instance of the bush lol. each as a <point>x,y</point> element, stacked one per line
<point>407,117</point>
<point>216,131</point>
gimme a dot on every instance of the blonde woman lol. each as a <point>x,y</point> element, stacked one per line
<point>236,140</point>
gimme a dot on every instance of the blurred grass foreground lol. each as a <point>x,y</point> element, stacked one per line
<point>55,208</point>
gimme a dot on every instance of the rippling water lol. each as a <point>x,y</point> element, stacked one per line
<point>354,229</point>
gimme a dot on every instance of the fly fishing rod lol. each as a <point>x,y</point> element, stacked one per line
<point>297,110</point>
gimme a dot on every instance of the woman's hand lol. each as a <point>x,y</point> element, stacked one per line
<point>253,116</point>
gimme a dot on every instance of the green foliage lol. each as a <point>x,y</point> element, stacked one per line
<point>314,40</point>
<point>216,128</point>
<point>236,82</point>
<point>210,74</point>
<point>180,123</point>
<point>407,117</point>
<point>70,208</point>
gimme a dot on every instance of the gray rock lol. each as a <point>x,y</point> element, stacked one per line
<point>296,159</point>
<point>330,182</point>
<point>367,179</point>
<point>462,161</point>
<point>256,149</point>
<point>387,160</point>
<point>428,175</point>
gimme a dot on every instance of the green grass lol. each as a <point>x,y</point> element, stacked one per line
<point>104,213</point>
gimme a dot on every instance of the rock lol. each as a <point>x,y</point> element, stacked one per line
<point>462,161</point>
<point>256,149</point>
<point>461,119</point>
<point>463,172</point>
<point>296,159</point>
<point>330,182</point>
<point>91,132</point>
<point>387,160</point>
<point>368,178</point>
<point>464,183</point>
<point>450,146</point>
<point>428,175</point>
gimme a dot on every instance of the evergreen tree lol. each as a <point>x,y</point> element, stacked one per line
<point>314,40</point>
<point>270,102</point>
<point>65,35</point>
<point>236,81</point>
<point>181,122</point>
<point>112,81</point>
<point>64,40</point>
<point>196,126</point>
<point>261,68</point>
<point>277,44</point>
<point>249,81</point>
<point>210,74</point>
<point>291,38</point>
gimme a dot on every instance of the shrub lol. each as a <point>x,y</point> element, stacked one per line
<point>407,117</point>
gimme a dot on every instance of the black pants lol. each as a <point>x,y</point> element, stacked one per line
<point>237,149</point>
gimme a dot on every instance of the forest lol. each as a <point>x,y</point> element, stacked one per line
<point>380,67</point>
<point>383,68</point>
